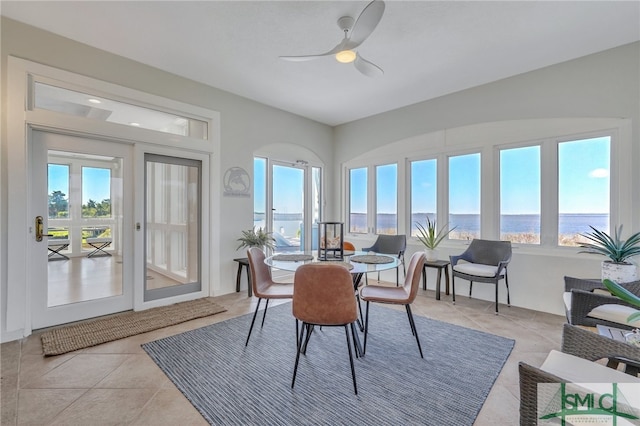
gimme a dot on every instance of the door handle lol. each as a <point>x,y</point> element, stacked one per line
<point>40,229</point>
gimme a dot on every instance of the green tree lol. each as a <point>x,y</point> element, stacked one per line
<point>58,205</point>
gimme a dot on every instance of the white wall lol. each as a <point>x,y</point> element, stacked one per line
<point>246,126</point>
<point>587,90</point>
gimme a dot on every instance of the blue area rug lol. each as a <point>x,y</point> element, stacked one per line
<point>231,384</point>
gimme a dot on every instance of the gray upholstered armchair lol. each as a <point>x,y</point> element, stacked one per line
<point>485,261</point>
<point>582,296</point>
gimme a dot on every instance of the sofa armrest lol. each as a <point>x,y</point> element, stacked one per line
<point>530,376</point>
<point>571,283</point>
<point>592,346</point>
<point>583,302</point>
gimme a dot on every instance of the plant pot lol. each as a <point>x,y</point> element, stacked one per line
<point>619,272</point>
<point>431,254</point>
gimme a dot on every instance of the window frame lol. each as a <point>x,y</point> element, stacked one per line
<point>547,133</point>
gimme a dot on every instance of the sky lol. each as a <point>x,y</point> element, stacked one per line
<point>583,181</point>
<point>96,182</point>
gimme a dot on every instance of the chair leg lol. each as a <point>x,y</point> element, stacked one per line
<point>295,367</point>
<point>470,287</point>
<point>453,288</point>
<point>496,296</point>
<point>353,370</point>
<point>414,330</point>
<point>366,330</point>
<point>253,321</point>
<point>506,281</point>
<point>360,320</point>
<point>354,337</point>
<point>266,306</point>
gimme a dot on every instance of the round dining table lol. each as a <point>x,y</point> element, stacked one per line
<point>358,264</point>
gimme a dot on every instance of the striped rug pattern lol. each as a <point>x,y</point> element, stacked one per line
<point>231,384</point>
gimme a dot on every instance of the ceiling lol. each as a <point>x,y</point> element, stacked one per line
<point>426,48</point>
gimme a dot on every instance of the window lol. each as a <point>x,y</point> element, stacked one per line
<point>464,196</point>
<point>259,193</point>
<point>387,199</point>
<point>520,195</point>
<point>80,104</point>
<point>583,188</point>
<point>424,192</point>
<point>58,182</point>
<point>358,200</point>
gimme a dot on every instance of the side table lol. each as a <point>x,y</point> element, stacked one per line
<point>243,262</point>
<point>439,265</point>
<point>632,367</point>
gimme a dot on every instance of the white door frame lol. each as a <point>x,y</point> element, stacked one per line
<point>41,314</point>
<point>21,118</point>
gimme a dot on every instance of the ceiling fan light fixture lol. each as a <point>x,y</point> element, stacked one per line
<point>346,56</point>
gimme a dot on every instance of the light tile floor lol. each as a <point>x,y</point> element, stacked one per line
<point>117,383</point>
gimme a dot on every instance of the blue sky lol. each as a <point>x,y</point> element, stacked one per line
<point>583,182</point>
<point>96,182</point>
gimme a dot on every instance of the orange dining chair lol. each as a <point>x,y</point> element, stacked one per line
<point>346,245</point>
<point>323,296</point>
<point>403,295</point>
<point>263,285</point>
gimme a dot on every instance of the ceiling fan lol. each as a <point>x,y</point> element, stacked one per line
<point>355,33</point>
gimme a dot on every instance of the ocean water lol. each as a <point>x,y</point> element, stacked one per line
<point>569,224</point>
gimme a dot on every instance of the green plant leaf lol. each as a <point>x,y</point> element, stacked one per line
<point>634,317</point>
<point>621,292</point>
<point>430,236</point>
<point>614,248</point>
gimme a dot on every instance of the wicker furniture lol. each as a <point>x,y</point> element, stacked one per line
<point>583,300</point>
<point>575,341</point>
<point>484,261</point>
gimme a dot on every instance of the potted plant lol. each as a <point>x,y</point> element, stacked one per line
<point>256,238</point>
<point>617,250</point>
<point>431,237</point>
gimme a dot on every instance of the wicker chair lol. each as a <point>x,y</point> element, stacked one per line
<point>583,300</point>
<point>575,341</point>
<point>484,261</point>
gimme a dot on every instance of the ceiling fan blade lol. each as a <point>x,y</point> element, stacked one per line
<point>366,23</point>
<point>302,58</point>
<point>367,68</point>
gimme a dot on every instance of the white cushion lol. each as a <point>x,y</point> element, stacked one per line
<point>566,298</point>
<point>579,370</point>
<point>612,312</point>
<point>57,242</point>
<point>476,269</point>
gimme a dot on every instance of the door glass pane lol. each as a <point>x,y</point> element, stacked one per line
<point>464,196</point>
<point>316,187</point>
<point>259,193</point>
<point>358,201</point>
<point>520,195</point>
<point>85,261</point>
<point>172,229</point>
<point>288,207</point>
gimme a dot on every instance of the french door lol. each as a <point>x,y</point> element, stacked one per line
<point>81,213</point>
<point>295,205</point>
